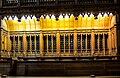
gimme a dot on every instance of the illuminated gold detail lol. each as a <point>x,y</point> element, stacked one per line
<point>63,23</point>
<point>76,32</point>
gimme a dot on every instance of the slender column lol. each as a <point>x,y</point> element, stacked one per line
<point>58,43</point>
<point>113,42</point>
<point>81,42</point>
<point>8,44</point>
<point>41,43</point>
<point>92,42</point>
<point>69,43</point>
<point>86,43</point>
<point>98,43</point>
<point>0,32</point>
<point>14,46</point>
<point>30,45</point>
<point>104,43</point>
<point>3,43</point>
<point>115,39</point>
<point>52,42</point>
<point>110,42</point>
<point>2,47</point>
<point>118,39</point>
<point>64,43</point>
<point>35,43</point>
<point>117,31</point>
<point>75,42</point>
<point>18,44</point>
<point>47,43</point>
<point>24,44</point>
<point>75,33</point>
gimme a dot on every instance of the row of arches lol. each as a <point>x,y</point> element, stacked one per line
<point>64,22</point>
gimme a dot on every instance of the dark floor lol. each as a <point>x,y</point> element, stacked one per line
<point>65,77</point>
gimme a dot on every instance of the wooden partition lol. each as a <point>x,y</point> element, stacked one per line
<point>5,65</point>
<point>67,66</point>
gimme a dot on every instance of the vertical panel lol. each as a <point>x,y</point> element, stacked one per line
<point>58,43</point>
<point>92,20</point>
<point>110,19</point>
<point>61,43</point>
<point>49,43</point>
<point>41,22</point>
<point>3,42</point>
<point>11,38</point>
<point>23,25</point>
<point>106,42</point>
<point>96,24</point>
<point>89,42</point>
<point>47,21</point>
<point>96,42</point>
<point>86,42</point>
<point>41,43</point>
<point>38,25</point>
<point>72,19</point>
<point>73,42</point>
<point>16,43</point>
<point>61,22</point>
<point>45,43</point>
<point>54,43</point>
<point>79,21</point>
<point>101,42</point>
<point>102,22</point>
<point>89,23</point>
<point>110,41</point>
<point>15,23</point>
<point>66,21</point>
<point>28,43</point>
<point>37,44</point>
<point>53,22</point>
<point>33,43</point>
<point>27,23</point>
<point>24,42</point>
<point>66,43</point>
<point>83,42</point>
<point>84,22</point>
<point>32,24</point>
<point>72,39</point>
<point>106,21</point>
<point>92,42</point>
<point>21,43</point>
<point>115,39</point>
<point>78,42</point>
